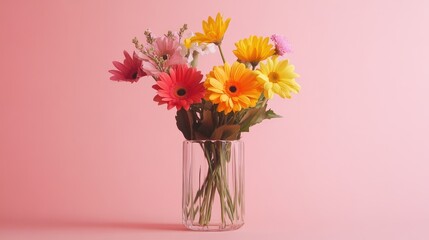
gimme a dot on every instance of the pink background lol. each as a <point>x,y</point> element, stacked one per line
<point>83,157</point>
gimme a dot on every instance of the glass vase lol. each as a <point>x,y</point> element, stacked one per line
<point>213,185</point>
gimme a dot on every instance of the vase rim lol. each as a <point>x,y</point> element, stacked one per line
<point>210,140</point>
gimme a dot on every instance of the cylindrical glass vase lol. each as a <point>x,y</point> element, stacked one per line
<point>213,185</point>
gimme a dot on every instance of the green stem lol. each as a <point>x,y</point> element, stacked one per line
<point>215,180</point>
<point>221,53</point>
<point>209,210</point>
<point>264,102</point>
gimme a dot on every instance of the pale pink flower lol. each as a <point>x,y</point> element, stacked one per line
<point>164,52</point>
<point>281,44</point>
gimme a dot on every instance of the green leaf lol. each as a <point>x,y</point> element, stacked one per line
<point>205,127</point>
<point>184,122</point>
<point>256,115</point>
<point>251,117</point>
<point>271,114</point>
<point>226,132</point>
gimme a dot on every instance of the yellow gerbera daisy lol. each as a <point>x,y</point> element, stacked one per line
<point>214,30</point>
<point>253,50</point>
<point>232,87</point>
<point>277,77</point>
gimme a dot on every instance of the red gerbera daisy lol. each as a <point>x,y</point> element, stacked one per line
<point>130,71</point>
<point>181,88</point>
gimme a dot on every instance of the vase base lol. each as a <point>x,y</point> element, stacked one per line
<point>213,228</point>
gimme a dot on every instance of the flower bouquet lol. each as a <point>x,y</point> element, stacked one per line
<point>214,110</point>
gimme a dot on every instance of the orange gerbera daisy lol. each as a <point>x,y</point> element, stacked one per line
<point>232,87</point>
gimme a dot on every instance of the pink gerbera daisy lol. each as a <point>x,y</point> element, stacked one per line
<point>181,88</point>
<point>165,52</point>
<point>281,44</point>
<point>130,71</point>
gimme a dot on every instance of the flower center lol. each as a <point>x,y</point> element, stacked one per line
<point>134,75</point>
<point>233,89</point>
<point>274,77</point>
<point>181,92</point>
<point>165,56</point>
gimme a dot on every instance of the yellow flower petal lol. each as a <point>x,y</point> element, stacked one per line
<point>253,49</point>
<point>277,77</point>
<point>214,30</point>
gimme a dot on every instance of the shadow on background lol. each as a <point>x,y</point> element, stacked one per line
<point>84,224</point>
